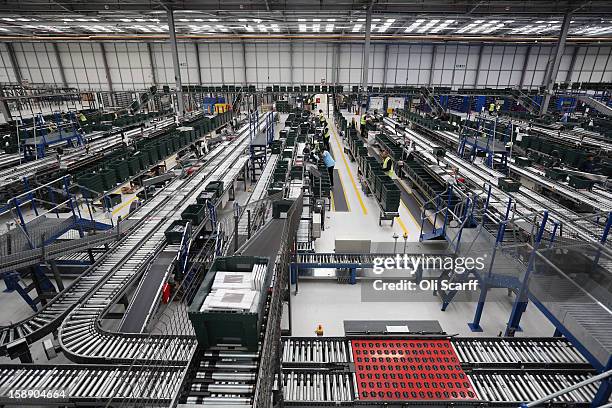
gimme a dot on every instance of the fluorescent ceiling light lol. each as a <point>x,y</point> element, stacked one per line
<point>275,28</point>
<point>414,25</point>
<point>213,20</point>
<point>301,19</point>
<point>8,19</point>
<point>428,26</point>
<point>184,20</point>
<point>316,28</point>
<point>198,20</point>
<point>442,26</point>
<point>329,28</point>
<point>125,20</point>
<point>390,20</point>
<point>262,28</point>
<point>494,28</point>
<point>331,19</point>
<point>357,27</point>
<point>376,20</point>
<point>361,20</point>
<point>316,19</point>
<point>483,26</point>
<point>302,28</point>
<point>242,19</point>
<point>469,26</point>
<point>3,29</point>
<point>384,27</point>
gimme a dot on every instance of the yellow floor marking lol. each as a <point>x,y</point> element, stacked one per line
<point>363,207</point>
<point>122,206</point>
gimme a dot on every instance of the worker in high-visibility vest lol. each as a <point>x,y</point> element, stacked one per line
<point>387,164</point>
<point>322,117</point>
<point>82,117</point>
<point>362,123</point>
<point>491,108</point>
<point>326,137</point>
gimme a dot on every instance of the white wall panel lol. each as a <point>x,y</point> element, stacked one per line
<point>307,63</point>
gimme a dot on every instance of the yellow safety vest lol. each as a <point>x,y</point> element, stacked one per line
<point>326,135</point>
<point>389,172</point>
<point>363,120</point>
<point>82,118</point>
<point>491,107</point>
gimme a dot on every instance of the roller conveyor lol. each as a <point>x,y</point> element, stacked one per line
<point>479,175</point>
<point>477,351</point>
<point>89,384</point>
<point>579,311</point>
<point>17,173</point>
<point>79,336</point>
<point>464,371</point>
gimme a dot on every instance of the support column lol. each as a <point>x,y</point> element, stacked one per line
<point>109,80</point>
<point>480,51</point>
<point>433,65</point>
<point>198,65</point>
<point>384,80</point>
<point>60,65</point>
<point>366,51</point>
<point>152,61</point>
<point>14,63</point>
<point>527,56</point>
<point>244,63</point>
<point>291,62</point>
<point>570,71</point>
<point>175,60</point>
<point>555,67</point>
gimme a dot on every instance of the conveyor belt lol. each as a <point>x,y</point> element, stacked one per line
<point>51,315</point>
<point>477,351</point>
<point>89,384</point>
<point>17,173</point>
<point>579,311</point>
<point>424,370</point>
<point>529,199</point>
<point>80,336</point>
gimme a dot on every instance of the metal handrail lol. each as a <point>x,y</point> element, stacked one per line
<point>581,384</point>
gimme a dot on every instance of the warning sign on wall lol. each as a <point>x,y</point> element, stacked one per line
<point>318,100</point>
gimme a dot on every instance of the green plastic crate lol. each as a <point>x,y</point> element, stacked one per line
<point>109,178</point>
<point>194,213</point>
<point>228,327</point>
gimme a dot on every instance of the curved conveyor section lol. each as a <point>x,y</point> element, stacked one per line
<point>80,335</point>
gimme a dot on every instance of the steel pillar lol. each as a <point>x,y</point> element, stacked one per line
<point>14,62</point>
<point>554,70</point>
<point>176,64</point>
<point>480,51</point>
<point>366,51</point>
<point>109,80</point>
<point>152,60</point>
<point>384,80</point>
<point>60,64</point>
<point>527,56</point>
<point>570,71</point>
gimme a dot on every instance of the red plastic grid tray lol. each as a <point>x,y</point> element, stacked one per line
<point>392,370</point>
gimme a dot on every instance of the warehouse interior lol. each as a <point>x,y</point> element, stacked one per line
<point>265,203</point>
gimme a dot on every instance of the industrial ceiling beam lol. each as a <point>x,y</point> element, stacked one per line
<point>522,7</point>
<point>555,66</point>
<point>14,62</point>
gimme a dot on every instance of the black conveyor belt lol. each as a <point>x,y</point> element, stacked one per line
<point>136,317</point>
<point>340,203</point>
